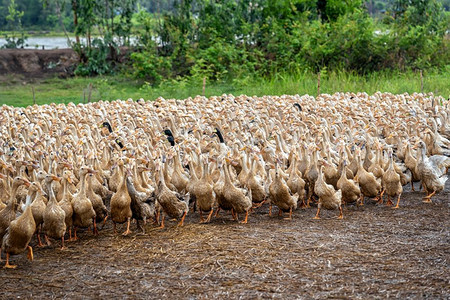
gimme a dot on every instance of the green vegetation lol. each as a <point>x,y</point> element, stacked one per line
<point>117,87</point>
<point>246,46</point>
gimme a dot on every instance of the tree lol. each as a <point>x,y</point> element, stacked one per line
<point>14,23</point>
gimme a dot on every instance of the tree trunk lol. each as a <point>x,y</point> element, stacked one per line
<point>75,19</point>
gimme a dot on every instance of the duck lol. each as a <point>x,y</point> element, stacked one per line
<point>391,182</point>
<point>351,192</point>
<point>369,185</point>
<point>204,193</point>
<point>433,181</point>
<point>222,202</point>
<point>256,186</point>
<point>83,211</point>
<point>54,225</point>
<point>311,175</point>
<point>329,198</point>
<point>20,231</point>
<point>101,212</point>
<point>179,179</point>
<point>240,202</point>
<point>411,164</point>
<point>280,194</point>
<point>121,204</point>
<point>4,196</point>
<point>142,204</point>
<point>171,204</point>
<point>38,208</point>
<point>8,213</point>
<point>66,201</point>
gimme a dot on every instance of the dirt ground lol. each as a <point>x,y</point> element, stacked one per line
<point>37,63</point>
<point>375,252</point>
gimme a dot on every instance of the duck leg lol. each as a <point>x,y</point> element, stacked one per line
<point>270,209</point>
<point>127,232</point>
<point>156,222</point>
<point>62,244</point>
<point>290,214</point>
<point>317,217</point>
<point>47,240</point>
<point>303,205</point>
<point>317,214</point>
<point>94,229</point>
<point>389,202</point>
<point>361,200</point>
<point>217,212</point>
<point>280,212</point>
<point>398,201</point>
<point>75,233</point>
<point>162,221</point>
<point>201,216</point>
<point>234,214</point>
<point>30,255</point>
<point>38,234</point>
<point>427,199</point>
<point>104,221</point>
<point>182,219</point>
<point>258,205</point>
<point>70,234</point>
<point>208,219</point>
<point>7,265</point>
<point>341,213</point>
<point>246,218</point>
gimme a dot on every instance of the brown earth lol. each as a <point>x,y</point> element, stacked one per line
<point>375,252</point>
<point>37,63</point>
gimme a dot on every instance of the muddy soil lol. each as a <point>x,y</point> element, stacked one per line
<point>37,63</point>
<point>375,252</point>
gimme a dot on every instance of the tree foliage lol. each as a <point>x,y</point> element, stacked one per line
<point>223,39</point>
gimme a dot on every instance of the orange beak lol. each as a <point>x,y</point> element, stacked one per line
<point>56,178</point>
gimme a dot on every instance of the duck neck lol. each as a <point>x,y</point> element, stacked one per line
<point>65,185</point>
<point>123,184</point>
<point>192,170</point>
<point>83,185</point>
<point>51,196</point>
<point>13,200</point>
<point>343,172</point>
<point>227,173</point>
<point>161,175</point>
<point>30,196</point>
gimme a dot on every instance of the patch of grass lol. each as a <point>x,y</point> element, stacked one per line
<point>19,93</point>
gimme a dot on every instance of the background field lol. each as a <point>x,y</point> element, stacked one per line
<point>17,91</point>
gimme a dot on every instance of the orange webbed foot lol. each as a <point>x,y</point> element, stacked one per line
<point>8,266</point>
<point>30,255</point>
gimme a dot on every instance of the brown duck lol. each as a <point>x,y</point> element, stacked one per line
<point>9,212</point>
<point>54,216</point>
<point>121,203</point>
<point>20,231</point>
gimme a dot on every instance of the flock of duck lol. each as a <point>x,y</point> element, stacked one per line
<point>65,167</point>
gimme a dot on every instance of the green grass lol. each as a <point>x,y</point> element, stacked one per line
<point>18,93</point>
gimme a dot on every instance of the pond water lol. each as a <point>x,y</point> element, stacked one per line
<point>46,42</point>
<point>59,42</point>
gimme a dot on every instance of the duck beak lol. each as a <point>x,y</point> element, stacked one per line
<point>90,171</point>
<point>56,178</point>
<point>27,183</point>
